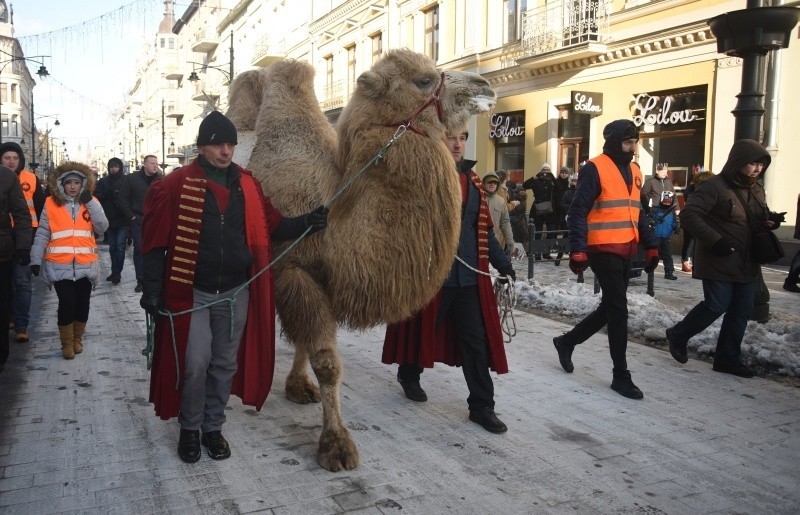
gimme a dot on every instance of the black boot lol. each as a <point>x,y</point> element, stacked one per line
<point>487,419</point>
<point>676,348</point>
<point>217,446</point>
<point>564,353</point>
<point>623,385</point>
<point>413,390</point>
<point>189,446</point>
<point>736,369</point>
<point>791,286</point>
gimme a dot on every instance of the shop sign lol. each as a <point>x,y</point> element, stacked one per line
<point>648,114</point>
<point>502,128</point>
<point>586,102</point>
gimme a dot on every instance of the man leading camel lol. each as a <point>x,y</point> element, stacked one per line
<point>460,326</point>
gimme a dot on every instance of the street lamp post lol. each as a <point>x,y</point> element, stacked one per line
<point>42,73</point>
<point>193,77</point>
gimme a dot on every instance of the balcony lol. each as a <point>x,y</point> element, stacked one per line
<point>564,31</point>
<point>267,51</point>
<point>205,91</point>
<point>334,97</point>
<point>205,40</point>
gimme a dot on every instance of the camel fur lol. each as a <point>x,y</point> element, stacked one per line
<point>392,233</point>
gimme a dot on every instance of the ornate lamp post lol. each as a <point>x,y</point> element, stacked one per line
<point>42,73</point>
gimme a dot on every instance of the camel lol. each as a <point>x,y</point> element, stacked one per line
<point>392,233</point>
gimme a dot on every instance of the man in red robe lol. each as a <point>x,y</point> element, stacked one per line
<point>206,233</point>
<point>460,326</point>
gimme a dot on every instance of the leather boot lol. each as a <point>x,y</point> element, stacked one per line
<point>686,266</point>
<point>78,328</point>
<point>65,332</point>
<point>623,385</point>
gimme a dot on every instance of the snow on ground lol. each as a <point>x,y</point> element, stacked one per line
<point>774,345</point>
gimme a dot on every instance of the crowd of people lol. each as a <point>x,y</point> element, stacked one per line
<point>202,234</point>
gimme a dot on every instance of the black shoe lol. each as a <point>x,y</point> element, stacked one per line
<point>115,279</point>
<point>413,391</point>
<point>488,420</point>
<point>670,276</point>
<point>623,385</point>
<point>789,286</point>
<point>677,349</point>
<point>736,369</point>
<point>138,288</point>
<point>189,446</point>
<point>217,446</point>
<point>110,277</point>
<point>564,353</point>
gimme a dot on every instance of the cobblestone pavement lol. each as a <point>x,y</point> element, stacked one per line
<point>79,436</point>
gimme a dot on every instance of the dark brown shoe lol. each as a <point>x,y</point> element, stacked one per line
<point>216,445</point>
<point>189,446</point>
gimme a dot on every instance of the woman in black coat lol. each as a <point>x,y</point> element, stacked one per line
<point>544,188</point>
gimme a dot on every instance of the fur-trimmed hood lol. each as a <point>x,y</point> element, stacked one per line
<point>69,167</point>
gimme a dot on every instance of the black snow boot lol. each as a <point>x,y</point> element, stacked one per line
<point>623,385</point>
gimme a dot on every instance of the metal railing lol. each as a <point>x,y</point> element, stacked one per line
<point>560,25</point>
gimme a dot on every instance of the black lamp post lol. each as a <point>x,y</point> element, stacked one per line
<point>193,77</point>
<point>42,73</point>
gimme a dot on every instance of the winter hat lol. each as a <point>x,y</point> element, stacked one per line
<point>11,146</point>
<point>564,169</point>
<point>114,161</point>
<point>545,165</point>
<point>491,177</point>
<point>216,129</point>
<point>72,174</point>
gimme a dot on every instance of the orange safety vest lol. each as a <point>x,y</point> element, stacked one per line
<point>614,217</point>
<point>70,240</point>
<point>28,182</point>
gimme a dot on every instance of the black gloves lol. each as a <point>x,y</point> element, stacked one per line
<point>723,248</point>
<point>777,219</point>
<point>316,219</point>
<point>23,257</point>
<point>507,271</point>
<point>85,197</point>
<point>35,270</point>
<point>151,303</point>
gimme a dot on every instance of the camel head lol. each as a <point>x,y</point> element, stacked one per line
<point>404,81</point>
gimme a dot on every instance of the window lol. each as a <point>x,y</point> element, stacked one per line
<point>507,130</point>
<point>172,43</point>
<point>432,33</point>
<point>377,46</point>
<point>3,92</point>
<point>162,42</point>
<point>351,68</point>
<point>14,130</point>
<point>14,97</point>
<point>328,76</point>
<point>512,19</point>
<point>5,125</point>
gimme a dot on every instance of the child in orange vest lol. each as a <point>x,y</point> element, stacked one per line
<point>66,247</point>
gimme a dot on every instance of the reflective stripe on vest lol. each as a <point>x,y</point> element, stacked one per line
<point>28,182</point>
<point>614,217</point>
<point>70,240</point>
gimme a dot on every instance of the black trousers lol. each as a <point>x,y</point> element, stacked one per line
<point>611,271</point>
<point>463,307</point>
<point>73,300</point>
<point>5,287</point>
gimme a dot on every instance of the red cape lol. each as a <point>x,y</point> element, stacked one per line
<point>419,340</point>
<point>256,357</point>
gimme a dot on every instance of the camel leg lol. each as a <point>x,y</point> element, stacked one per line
<point>337,450</point>
<point>299,387</point>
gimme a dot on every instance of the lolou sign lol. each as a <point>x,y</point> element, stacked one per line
<point>647,112</point>
<point>501,127</point>
<point>586,102</point>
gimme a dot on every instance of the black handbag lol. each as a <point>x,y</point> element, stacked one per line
<point>543,208</point>
<point>764,245</point>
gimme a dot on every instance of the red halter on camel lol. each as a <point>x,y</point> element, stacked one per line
<point>433,101</point>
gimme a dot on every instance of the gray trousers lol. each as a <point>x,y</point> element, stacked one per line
<point>211,360</point>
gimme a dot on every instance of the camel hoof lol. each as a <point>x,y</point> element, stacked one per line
<point>302,391</point>
<point>337,451</point>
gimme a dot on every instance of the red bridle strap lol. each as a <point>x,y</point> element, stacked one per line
<point>435,100</point>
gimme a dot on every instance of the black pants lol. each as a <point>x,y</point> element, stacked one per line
<point>73,300</point>
<point>5,287</point>
<point>611,271</point>
<point>463,307</point>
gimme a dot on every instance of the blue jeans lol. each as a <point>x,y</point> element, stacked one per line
<point>136,234</point>
<point>735,301</point>
<point>21,295</point>
<point>116,238</point>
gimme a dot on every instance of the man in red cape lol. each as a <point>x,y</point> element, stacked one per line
<point>460,326</point>
<point>206,232</point>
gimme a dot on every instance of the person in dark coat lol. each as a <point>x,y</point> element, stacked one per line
<point>658,197</point>
<point>724,261</point>
<point>15,244</point>
<point>544,190</point>
<point>792,279</point>
<point>107,191</point>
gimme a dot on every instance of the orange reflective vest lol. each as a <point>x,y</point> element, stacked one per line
<point>614,217</point>
<point>70,240</point>
<point>28,182</point>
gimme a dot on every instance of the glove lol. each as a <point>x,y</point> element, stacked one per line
<point>316,219</point>
<point>35,270</point>
<point>650,260</point>
<point>85,197</point>
<point>23,257</point>
<point>777,219</point>
<point>509,249</point>
<point>723,248</point>
<point>151,303</point>
<point>507,271</point>
<point>578,262</point>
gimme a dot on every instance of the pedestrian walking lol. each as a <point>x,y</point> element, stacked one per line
<point>12,156</point>
<point>207,231</point>
<point>606,225</point>
<point>722,214</point>
<point>792,279</point>
<point>658,194</point>
<point>460,325</point>
<point>107,191</point>
<point>131,202</point>
<point>15,245</point>
<point>687,247</point>
<point>65,249</point>
<point>543,209</point>
<point>498,210</point>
